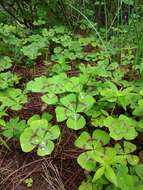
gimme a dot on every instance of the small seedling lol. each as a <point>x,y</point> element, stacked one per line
<point>29,182</point>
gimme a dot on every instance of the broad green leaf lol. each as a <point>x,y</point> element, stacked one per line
<point>133,159</point>
<point>39,134</point>
<point>49,99</point>
<point>108,121</point>
<point>122,170</point>
<point>110,94</point>
<point>98,174</point>
<point>101,136</point>
<point>118,159</point>
<point>73,85</point>
<point>76,122</point>
<point>126,181</point>
<point>39,84</point>
<point>86,162</point>
<point>33,118</point>
<point>99,121</point>
<point>53,133</point>
<point>45,147</point>
<point>130,133</point>
<point>27,141</point>
<point>33,135</point>
<point>84,141</point>
<point>117,130</point>
<point>129,147</point>
<point>99,156</point>
<point>56,84</point>
<point>110,175</point>
<point>47,116</point>
<point>128,120</point>
<point>122,127</point>
<point>85,102</point>
<point>110,153</point>
<point>118,148</point>
<point>39,126</point>
<point>69,101</point>
<point>62,113</point>
<point>122,100</point>
<point>111,157</point>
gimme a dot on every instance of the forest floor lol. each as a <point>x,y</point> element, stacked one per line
<point>58,171</point>
<point>59,168</point>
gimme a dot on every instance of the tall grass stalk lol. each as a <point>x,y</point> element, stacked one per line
<point>93,27</point>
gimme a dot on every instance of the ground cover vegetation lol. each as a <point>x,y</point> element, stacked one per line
<point>71,92</point>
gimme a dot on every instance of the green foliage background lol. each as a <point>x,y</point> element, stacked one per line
<point>92,54</point>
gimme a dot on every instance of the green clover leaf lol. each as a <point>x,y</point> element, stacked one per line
<point>39,134</point>
<point>122,127</point>
<point>76,121</point>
